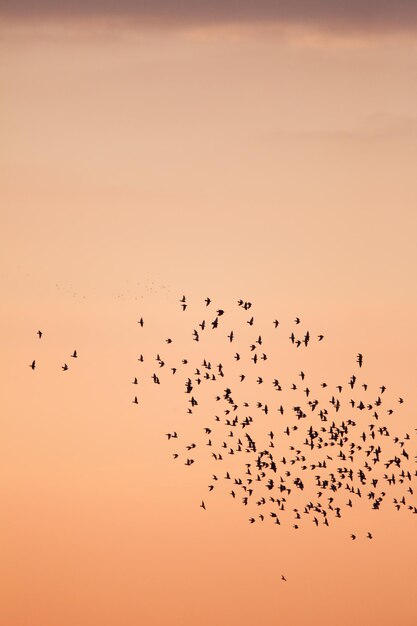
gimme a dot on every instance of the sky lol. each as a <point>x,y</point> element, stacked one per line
<point>262,151</point>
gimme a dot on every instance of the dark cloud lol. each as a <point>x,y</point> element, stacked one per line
<point>347,15</point>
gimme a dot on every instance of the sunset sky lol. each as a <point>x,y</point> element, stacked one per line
<point>258,150</point>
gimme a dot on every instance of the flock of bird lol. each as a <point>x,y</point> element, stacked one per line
<point>64,367</point>
<point>306,457</point>
<point>289,452</point>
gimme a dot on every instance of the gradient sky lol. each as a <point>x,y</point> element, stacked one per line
<point>260,150</point>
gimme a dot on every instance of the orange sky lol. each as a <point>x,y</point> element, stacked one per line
<point>271,160</point>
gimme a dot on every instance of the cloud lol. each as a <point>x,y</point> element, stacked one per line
<point>370,130</point>
<point>342,15</point>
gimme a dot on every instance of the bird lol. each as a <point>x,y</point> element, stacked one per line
<point>140,322</point>
<point>74,354</point>
<point>33,365</point>
<point>39,333</point>
<point>65,367</point>
<point>283,578</point>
